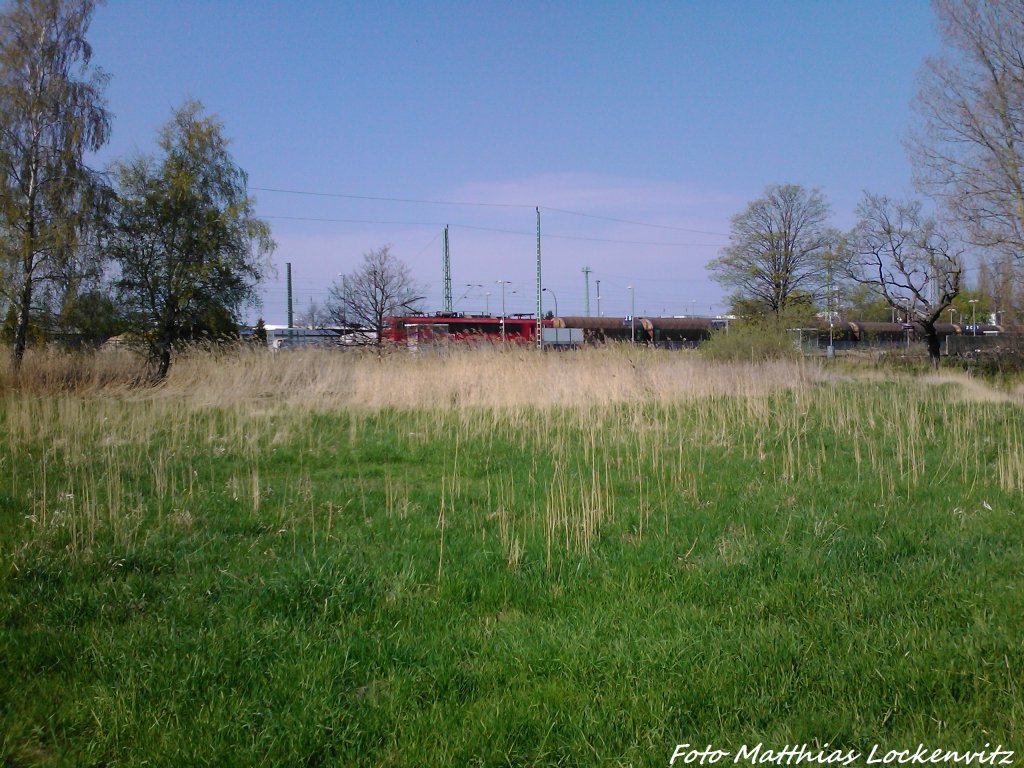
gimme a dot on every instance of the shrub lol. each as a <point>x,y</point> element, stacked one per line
<point>751,340</point>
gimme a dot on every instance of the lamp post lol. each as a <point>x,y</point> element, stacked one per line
<point>632,314</point>
<point>952,310</point>
<point>469,287</point>
<point>598,298</point>
<point>503,283</point>
<point>487,303</point>
<point>548,290</point>
<point>974,315</point>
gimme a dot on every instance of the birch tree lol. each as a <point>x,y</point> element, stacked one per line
<point>188,247</point>
<point>52,112</point>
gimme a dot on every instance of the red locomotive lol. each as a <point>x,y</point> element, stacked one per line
<point>460,327</point>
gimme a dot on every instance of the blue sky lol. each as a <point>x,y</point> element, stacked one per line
<point>673,114</point>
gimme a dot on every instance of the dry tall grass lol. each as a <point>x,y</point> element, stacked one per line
<point>97,462</point>
<point>488,377</point>
<point>49,371</point>
<point>484,377</point>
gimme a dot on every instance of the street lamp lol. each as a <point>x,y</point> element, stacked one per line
<point>469,287</point>
<point>548,290</point>
<point>503,283</point>
<point>974,314</point>
<point>598,298</point>
<point>632,314</point>
<point>487,303</point>
<point>952,310</point>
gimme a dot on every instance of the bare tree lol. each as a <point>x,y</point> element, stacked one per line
<point>776,255</point>
<point>969,149</point>
<point>901,255</point>
<point>381,287</point>
<point>314,316</point>
<point>1001,282</point>
<point>51,113</point>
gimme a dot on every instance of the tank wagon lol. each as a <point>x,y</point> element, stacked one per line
<point>666,332</point>
<point>669,332</point>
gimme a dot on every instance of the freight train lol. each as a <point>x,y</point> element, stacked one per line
<point>669,332</point>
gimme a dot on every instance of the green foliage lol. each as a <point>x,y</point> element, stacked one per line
<point>189,248</point>
<point>965,312</point>
<point>259,333</point>
<point>34,335</point>
<point>90,318</point>
<point>53,113</point>
<point>757,338</point>
<point>800,309</point>
<point>859,302</point>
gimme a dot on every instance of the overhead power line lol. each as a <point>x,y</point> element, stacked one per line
<point>549,209</point>
<point>634,223</point>
<point>495,229</point>
<point>387,199</point>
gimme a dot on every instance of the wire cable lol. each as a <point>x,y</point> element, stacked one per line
<point>521,206</point>
<point>493,229</point>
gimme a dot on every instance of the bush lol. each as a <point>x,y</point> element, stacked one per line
<point>751,340</point>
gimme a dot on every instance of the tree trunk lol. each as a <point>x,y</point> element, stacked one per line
<point>21,329</point>
<point>162,348</point>
<point>164,363</point>
<point>931,338</point>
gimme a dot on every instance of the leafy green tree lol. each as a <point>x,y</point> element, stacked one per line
<point>777,250</point>
<point>51,113</point>
<point>1000,281</point>
<point>259,333</point>
<point>88,318</point>
<point>800,309</point>
<point>189,249</point>
<point>860,302</point>
<point>970,305</point>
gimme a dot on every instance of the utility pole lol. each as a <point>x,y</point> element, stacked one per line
<point>447,276</point>
<point>503,283</point>
<point>540,305</point>
<point>586,296</point>
<point>598,298</point>
<point>632,314</point>
<point>288,269</point>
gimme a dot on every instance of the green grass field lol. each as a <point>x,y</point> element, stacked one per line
<point>252,582</point>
